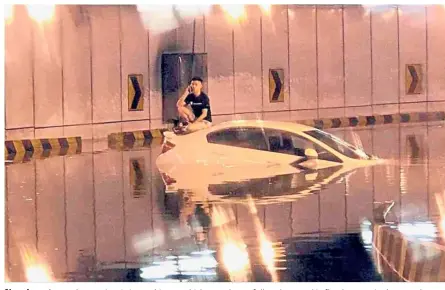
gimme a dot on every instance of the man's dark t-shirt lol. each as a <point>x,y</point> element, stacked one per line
<point>198,103</point>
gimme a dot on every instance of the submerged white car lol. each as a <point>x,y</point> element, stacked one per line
<point>250,149</point>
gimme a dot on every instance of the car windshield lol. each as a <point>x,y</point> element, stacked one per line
<point>338,145</point>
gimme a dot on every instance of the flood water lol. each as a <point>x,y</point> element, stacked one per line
<point>105,216</point>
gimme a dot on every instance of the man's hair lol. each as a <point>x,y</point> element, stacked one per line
<point>197,79</point>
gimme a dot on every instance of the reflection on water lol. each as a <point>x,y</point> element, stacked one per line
<point>281,186</point>
<point>36,270</point>
<point>137,177</point>
<point>198,266</point>
<point>106,216</point>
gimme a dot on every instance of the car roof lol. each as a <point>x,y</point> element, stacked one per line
<point>280,125</point>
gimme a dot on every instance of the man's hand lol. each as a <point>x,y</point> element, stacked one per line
<point>181,101</point>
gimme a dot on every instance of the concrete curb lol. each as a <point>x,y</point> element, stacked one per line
<point>19,151</point>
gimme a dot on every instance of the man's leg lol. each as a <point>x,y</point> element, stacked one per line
<point>192,127</point>
<point>186,114</point>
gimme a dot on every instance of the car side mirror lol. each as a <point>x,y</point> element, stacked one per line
<point>311,153</point>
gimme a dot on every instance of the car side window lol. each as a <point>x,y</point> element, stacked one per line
<point>222,137</point>
<point>251,138</point>
<point>293,144</point>
<point>286,143</point>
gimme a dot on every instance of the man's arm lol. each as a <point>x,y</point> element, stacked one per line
<point>181,100</point>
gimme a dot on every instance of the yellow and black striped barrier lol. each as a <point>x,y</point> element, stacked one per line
<point>136,139</point>
<point>365,121</point>
<point>403,259</point>
<point>19,151</point>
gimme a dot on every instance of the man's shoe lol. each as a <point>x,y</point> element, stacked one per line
<point>180,130</point>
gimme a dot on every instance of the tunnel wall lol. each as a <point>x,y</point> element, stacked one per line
<point>69,76</point>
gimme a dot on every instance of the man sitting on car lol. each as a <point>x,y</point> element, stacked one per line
<point>194,108</point>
